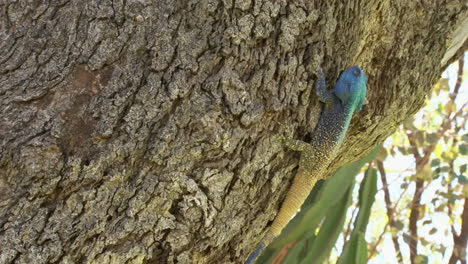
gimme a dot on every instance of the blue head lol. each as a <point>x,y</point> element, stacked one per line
<point>351,88</point>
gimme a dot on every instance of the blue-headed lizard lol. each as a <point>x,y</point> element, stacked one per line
<point>342,102</point>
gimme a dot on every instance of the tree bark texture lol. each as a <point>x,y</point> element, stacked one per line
<point>148,131</point>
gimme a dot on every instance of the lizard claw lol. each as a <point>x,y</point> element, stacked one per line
<point>319,72</point>
<point>286,133</point>
<point>321,89</point>
<point>285,137</point>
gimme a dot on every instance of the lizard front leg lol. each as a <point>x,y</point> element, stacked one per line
<point>324,95</point>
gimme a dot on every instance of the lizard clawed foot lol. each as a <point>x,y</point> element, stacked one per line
<point>297,145</point>
<point>321,89</point>
<point>287,135</point>
<point>288,141</point>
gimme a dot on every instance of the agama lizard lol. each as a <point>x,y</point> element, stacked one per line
<point>347,98</point>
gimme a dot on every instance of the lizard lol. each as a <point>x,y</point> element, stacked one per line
<point>346,99</point>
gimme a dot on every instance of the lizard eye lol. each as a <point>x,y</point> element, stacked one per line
<point>356,72</point>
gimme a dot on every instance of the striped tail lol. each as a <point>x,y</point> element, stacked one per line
<point>259,249</point>
<point>266,240</point>
<point>300,189</point>
<point>297,194</point>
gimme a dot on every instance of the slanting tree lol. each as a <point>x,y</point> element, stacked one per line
<point>148,131</point>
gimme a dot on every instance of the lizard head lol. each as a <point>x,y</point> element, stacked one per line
<point>351,88</point>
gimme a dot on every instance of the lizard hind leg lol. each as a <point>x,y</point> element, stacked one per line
<point>298,145</point>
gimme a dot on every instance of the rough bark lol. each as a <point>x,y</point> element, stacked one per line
<point>147,131</point>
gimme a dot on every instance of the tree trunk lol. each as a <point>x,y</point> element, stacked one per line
<point>148,131</point>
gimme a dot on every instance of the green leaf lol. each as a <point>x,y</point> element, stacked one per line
<point>329,231</point>
<point>462,179</point>
<point>367,192</point>
<point>424,242</point>
<point>444,169</point>
<point>463,148</point>
<point>355,250</point>
<point>465,138</point>
<point>398,225</point>
<point>361,252</point>
<point>406,238</point>
<point>463,168</point>
<point>435,162</point>
<point>421,259</point>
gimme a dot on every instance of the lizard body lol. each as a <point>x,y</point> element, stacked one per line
<point>347,98</point>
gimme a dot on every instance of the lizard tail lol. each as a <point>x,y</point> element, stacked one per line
<point>300,189</point>
<point>260,247</point>
<point>256,253</point>
<point>297,194</point>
